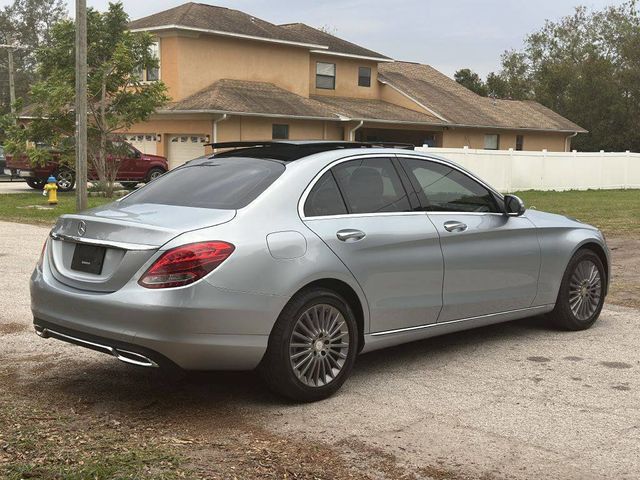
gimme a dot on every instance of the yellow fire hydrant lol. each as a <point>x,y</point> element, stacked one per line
<point>51,189</point>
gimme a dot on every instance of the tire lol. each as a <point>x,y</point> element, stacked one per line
<point>129,185</point>
<point>36,183</point>
<point>581,294</point>
<point>153,174</point>
<point>65,179</point>
<point>325,368</point>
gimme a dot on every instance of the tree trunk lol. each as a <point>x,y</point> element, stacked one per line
<point>106,172</point>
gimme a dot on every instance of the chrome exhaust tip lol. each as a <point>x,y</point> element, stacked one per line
<point>125,356</point>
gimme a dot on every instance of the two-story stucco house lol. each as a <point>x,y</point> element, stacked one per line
<point>232,76</point>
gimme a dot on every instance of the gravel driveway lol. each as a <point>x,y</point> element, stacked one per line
<point>516,401</point>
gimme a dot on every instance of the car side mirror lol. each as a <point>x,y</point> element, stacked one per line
<point>513,206</point>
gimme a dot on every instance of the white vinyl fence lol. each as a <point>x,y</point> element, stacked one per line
<point>509,171</point>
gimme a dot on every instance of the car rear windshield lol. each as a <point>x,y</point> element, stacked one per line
<point>226,184</point>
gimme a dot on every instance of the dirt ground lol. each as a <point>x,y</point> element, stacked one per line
<point>511,401</point>
<point>625,271</point>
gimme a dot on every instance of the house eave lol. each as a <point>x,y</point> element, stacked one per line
<point>350,55</point>
<point>228,34</point>
<point>520,129</point>
<point>246,114</point>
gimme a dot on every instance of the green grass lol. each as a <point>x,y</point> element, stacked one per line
<point>18,207</point>
<point>615,212</point>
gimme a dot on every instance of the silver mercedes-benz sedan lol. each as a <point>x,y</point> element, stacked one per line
<point>294,257</point>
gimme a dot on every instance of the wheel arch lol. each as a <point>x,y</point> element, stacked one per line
<point>599,250</point>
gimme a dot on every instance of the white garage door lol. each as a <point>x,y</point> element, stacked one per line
<point>145,142</point>
<point>183,148</point>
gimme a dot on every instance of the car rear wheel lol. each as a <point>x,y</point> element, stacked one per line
<point>65,179</point>
<point>36,183</point>
<point>312,346</point>
<point>581,295</point>
<point>129,185</point>
<point>153,174</point>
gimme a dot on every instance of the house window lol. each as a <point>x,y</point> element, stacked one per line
<point>519,142</point>
<point>152,74</point>
<point>280,132</point>
<point>326,75</point>
<point>492,141</point>
<point>364,76</point>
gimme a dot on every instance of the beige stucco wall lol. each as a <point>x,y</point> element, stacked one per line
<point>169,54</point>
<point>346,77</point>
<point>391,95</point>
<point>190,63</point>
<point>236,128</point>
<point>259,128</point>
<point>474,138</point>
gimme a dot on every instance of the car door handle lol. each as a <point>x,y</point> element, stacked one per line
<point>453,226</point>
<point>350,235</point>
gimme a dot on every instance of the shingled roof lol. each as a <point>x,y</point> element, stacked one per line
<point>308,34</point>
<point>372,109</point>
<point>257,98</point>
<point>217,19</point>
<point>266,99</point>
<point>460,106</point>
<point>211,18</point>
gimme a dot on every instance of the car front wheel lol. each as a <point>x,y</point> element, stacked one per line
<point>582,291</point>
<point>312,346</point>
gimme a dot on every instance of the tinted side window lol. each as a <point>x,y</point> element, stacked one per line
<point>225,183</point>
<point>324,198</point>
<point>445,189</point>
<point>371,185</point>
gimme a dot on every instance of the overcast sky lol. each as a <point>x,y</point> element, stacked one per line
<point>448,35</point>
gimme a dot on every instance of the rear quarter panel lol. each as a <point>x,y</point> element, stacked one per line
<point>560,237</point>
<point>259,267</point>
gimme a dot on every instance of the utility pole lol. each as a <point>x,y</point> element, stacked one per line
<point>81,105</point>
<point>12,83</point>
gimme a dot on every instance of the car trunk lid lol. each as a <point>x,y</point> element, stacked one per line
<point>100,250</point>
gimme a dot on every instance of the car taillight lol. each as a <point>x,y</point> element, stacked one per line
<point>41,259</point>
<point>185,264</point>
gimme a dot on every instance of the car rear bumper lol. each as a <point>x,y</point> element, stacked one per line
<point>127,353</point>
<point>195,328</point>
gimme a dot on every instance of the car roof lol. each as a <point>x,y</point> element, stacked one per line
<point>292,150</point>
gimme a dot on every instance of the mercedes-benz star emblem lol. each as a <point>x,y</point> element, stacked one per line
<point>82,228</point>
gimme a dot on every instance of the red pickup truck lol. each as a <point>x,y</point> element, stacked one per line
<point>136,167</point>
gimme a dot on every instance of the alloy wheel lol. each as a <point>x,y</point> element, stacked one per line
<point>319,345</point>
<point>585,290</point>
<point>65,180</point>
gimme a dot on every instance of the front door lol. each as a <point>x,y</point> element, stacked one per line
<point>361,210</point>
<point>491,260</point>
